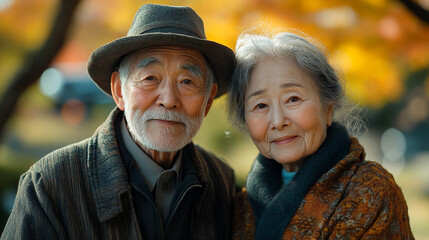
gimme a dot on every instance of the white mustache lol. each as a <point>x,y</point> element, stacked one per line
<point>164,115</point>
<point>139,121</point>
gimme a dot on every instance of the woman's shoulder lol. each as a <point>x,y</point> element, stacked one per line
<point>243,226</point>
<point>367,174</point>
<point>371,173</point>
<point>374,203</point>
<point>241,205</point>
<point>373,182</point>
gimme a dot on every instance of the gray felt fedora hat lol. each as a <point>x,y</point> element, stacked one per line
<point>161,25</point>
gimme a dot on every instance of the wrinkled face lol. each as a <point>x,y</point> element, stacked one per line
<point>283,112</point>
<point>164,97</point>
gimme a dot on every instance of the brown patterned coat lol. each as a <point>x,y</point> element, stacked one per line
<point>356,199</point>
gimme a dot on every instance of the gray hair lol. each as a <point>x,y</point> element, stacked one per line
<point>308,54</point>
<point>125,66</point>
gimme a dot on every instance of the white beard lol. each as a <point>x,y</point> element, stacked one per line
<point>168,139</point>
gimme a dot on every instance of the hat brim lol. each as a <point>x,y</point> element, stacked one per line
<point>103,60</point>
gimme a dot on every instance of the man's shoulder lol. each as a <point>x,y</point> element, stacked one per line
<point>70,156</point>
<point>78,153</point>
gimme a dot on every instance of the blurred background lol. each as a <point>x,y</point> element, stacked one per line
<point>379,47</point>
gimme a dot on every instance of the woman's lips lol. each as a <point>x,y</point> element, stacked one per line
<point>284,140</point>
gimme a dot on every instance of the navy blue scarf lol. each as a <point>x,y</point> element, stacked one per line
<point>275,203</point>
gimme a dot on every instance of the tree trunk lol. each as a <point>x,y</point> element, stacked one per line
<point>417,10</point>
<point>37,61</point>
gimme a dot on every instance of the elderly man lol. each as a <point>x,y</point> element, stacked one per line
<point>139,176</point>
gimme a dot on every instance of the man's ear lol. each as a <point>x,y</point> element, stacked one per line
<point>211,99</point>
<point>116,88</point>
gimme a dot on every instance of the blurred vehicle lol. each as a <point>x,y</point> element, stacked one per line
<point>70,82</point>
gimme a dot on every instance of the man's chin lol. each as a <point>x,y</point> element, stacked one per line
<point>164,146</point>
<point>165,142</point>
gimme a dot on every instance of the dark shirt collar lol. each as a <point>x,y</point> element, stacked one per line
<point>148,169</point>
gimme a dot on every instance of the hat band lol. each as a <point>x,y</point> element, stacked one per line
<point>171,30</point>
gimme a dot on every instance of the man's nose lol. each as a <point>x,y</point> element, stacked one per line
<point>168,96</point>
<point>279,118</point>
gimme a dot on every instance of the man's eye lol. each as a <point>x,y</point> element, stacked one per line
<point>187,81</point>
<point>150,78</point>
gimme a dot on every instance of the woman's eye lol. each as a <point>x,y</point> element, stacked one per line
<point>293,99</point>
<point>260,106</point>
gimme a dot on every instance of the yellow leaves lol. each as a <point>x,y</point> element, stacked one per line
<point>221,29</point>
<point>337,17</point>
<point>376,3</point>
<point>115,14</point>
<point>315,5</point>
<point>208,6</point>
<point>270,21</point>
<point>120,19</point>
<point>371,78</point>
<point>27,22</point>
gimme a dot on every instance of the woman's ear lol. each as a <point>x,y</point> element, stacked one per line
<point>116,89</point>
<point>329,115</point>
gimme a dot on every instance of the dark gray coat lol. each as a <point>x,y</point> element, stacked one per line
<point>82,192</point>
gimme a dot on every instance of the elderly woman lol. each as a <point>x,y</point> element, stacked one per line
<point>311,179</point>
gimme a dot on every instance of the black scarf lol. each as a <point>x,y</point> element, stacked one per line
<point>275,203</point>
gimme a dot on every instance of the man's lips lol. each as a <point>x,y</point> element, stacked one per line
<point>167,122</point>
<point>284,140</point>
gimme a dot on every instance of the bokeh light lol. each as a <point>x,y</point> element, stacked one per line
<point>51,82</point>
<point>73,112</point>
<point>393,145</point>
<point>4,4</point>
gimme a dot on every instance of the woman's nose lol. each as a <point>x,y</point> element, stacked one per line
<point>279,118</point>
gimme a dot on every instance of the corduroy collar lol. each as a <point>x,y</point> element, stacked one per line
<point>274,203</point>
<point>107,174</point>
